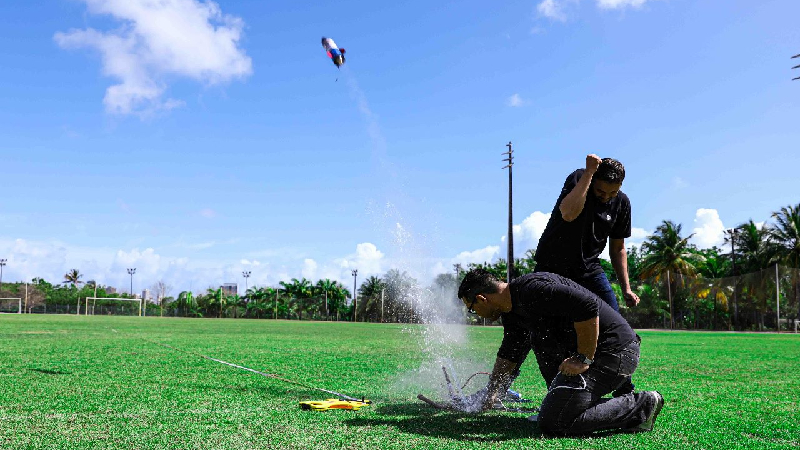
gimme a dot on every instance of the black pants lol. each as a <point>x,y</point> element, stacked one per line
<point>599,285</point>
<point>574,405</point>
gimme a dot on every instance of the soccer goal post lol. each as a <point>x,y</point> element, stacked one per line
<point>8,304</point>
<point>114,299</point>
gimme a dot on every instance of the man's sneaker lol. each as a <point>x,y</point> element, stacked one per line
<point>513,396</point>
<point>647,425</point>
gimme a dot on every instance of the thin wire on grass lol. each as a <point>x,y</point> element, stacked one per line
<point>268,375</point>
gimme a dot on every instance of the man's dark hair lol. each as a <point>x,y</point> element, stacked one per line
<point>610,171</point>
<point>478,281</point>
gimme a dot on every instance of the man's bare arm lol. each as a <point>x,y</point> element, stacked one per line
<point>499,380</point>
<point>572,204</point>
<point>588,332</point>
<point>619,259</point>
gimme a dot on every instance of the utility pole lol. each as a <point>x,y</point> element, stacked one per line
<point>355,295</point>
<point>510,256</point>
<point>797,66</point>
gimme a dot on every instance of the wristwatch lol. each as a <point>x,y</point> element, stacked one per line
<point>583,359</point>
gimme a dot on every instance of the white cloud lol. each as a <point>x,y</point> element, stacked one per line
<point>555,9</point>
<point>52,259</point>
<point>479,256</point>
<point>157,40</point>
<point>639,234</point>
<point>25,260</point>
<point>367,259</point>
<point>618,4</point>
<point>515,101</point>
<point>709,230</point>
<point>527,234</point>
<point>552,9</point>
<point>309,268</point>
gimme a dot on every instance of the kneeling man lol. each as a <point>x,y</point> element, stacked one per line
<point>584,349</point>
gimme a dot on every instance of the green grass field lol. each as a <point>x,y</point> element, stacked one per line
<point>71,382</point>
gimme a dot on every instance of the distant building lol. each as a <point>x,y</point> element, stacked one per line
<point>146,295</point>
<point>230,288</point>
<point>111,290</point>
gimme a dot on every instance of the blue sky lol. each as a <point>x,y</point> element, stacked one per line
<point>193,140</point>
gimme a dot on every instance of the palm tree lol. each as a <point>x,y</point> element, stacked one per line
<point>233,301</point>
<point>258,300</point>
<point>754,245</point>
<point>186,301</point>
<point>214,300</point>
<point>369,295</point>
<point>73,277</point>
<point>714,268</point>
<point>325,287</point>
<point>299,290</point>
<point>667,252</point>
<point>337,297</point>
<point>757,251</point>
<point>786,235</point>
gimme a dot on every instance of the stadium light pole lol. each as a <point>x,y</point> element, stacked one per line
<point>2,263</point>
<point>131,271</point>
<point>510,255</point>
<point>355,295</point>
<point>246,275</point>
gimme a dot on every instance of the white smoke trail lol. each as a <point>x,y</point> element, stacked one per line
<point>441,331</point>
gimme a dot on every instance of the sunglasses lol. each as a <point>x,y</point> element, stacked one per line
<point>469,308</point>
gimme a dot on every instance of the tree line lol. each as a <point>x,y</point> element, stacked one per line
<point>679,285</point>
<point>682,286</point>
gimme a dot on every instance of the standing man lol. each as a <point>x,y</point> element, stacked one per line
<point>590,211</point>
<point>584,348</point>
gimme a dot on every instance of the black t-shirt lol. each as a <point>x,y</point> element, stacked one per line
<point>544,309</point>
<point>572,248</point>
